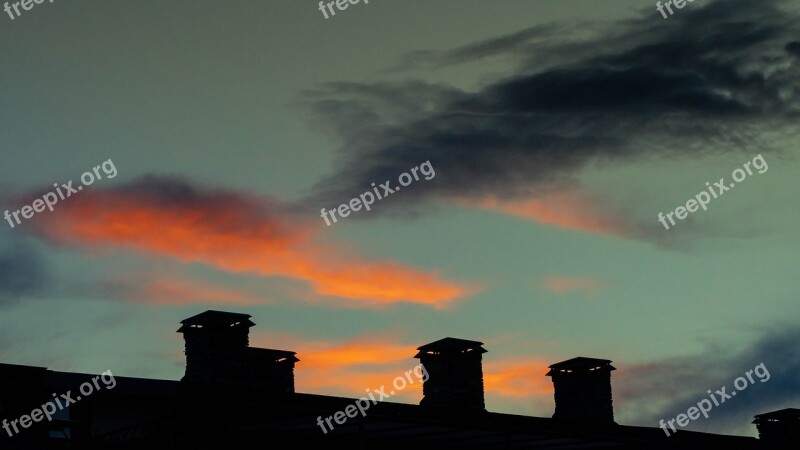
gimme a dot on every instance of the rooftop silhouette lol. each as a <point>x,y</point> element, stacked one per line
<point>233,395</point>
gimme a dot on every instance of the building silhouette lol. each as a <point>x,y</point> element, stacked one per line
<point>455,374</point>
<point>218,351</point>
<point>233,396</point>
<point>583,390</point>
<point>780,428</point>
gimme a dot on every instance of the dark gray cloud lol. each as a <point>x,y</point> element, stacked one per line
<point>178,192</point>
<point>715,78</point>
<point>665,389</point>
<point>535,38</point>
<point>23,273</point>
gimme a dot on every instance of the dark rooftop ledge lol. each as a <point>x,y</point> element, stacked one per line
<point>581,364</point>
<point>299,412</point>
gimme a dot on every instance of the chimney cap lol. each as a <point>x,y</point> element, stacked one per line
<point>270,353</point>
<point>780,415</point>
<point>450,345</point>
<point>581,364</point>
<point>215,319</point>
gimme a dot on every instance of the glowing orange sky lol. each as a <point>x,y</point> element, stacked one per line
<point>241,235</point>
<point>350,367</point>
<point>565,210</point>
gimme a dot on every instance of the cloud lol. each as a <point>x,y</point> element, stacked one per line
<point>720,79</point>
<point>176,292</point>
<point>565,285</point>
<point>348,368</point>
<point>570,211</point>
<point>235,233</point>
<point>517,384</point>
<point>363,352</point>
<point>23,273</point>
<point>522,378</point>
<point>646,393</point>
<point>521,41</point>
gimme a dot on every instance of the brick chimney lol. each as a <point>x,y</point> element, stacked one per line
<point>583,390</point>
<point>455,373</point>
<point>217,351</point>
<point>779,429</point>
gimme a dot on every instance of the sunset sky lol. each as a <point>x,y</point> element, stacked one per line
<point>558,131</point>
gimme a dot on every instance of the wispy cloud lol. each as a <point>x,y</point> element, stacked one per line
<point>565,285</point>
<point>718,80</point>
<point>174,291</point>
<point>523,379</point>
<point>569,211</point>
<point>349,367</point>
<point>647,392</point>
<point>235,233</point>
<point>23,273</point>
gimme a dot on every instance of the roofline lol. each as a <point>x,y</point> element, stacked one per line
<point>449,338</point>
<point>213,311</point>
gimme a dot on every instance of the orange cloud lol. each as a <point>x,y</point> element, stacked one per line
<point>571,211</point>
<point>235,233</point>
<point>182,292</point>
<point>365,352</point>
<point>348,369</point>
<point>564,285</point>
<point>522,379</point>
<point>351,368</point>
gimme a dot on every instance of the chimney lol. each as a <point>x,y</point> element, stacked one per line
<point>583,390</point>
<point>779,429</point>
<point>271,369</point>
<point>217,351</point>
<point>455,374</point>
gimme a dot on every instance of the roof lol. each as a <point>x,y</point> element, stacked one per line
<point>450,345</point>
<point>390,425</point>
<point>781,414</point>
<point>581,364</point>
<point>402,426</point>
<point>120,386</point>
<point>218,318</point>
<point>13,373</point>
<point>10,374</point>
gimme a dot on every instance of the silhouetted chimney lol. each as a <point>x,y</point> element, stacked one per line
<point>272,369</point>
<point>779,429</point>
<point>217,352</point>
<point>583,390</point>
<point>455,373</point>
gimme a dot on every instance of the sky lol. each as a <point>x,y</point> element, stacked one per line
<point>552,140</point>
